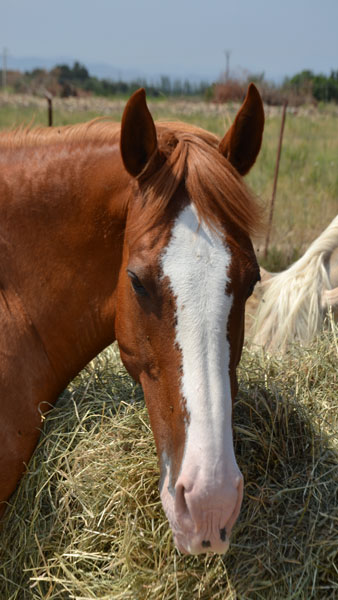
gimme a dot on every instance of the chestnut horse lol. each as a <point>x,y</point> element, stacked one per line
<point>140,234</point>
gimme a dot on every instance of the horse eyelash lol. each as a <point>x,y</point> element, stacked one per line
<point>137,285</point>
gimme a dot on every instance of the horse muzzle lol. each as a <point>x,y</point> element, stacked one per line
<point>202,513</point>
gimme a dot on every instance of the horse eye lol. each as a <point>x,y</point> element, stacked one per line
<point>137,285</point>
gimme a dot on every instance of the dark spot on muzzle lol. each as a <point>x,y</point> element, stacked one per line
<point>206,544</point>
<point>223,534</point>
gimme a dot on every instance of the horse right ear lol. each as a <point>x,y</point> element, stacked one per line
<point>138,142</point>
<point>242,142</point>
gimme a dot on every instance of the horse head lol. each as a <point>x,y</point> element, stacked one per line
<point>188,268</point>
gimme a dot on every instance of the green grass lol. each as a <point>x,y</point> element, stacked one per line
<point>16,116</point>
<point>307,192</point>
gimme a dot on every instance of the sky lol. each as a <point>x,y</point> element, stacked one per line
<point>179,38</point>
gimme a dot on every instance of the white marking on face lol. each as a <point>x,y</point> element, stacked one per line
<point>196,262</point>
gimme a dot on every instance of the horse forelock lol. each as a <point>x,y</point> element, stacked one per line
<point>191,157</point>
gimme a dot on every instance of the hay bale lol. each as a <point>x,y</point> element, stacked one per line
<point>86,521</point>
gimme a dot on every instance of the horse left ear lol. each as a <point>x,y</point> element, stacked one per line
<point>138,140</point>
<point>242,142</point>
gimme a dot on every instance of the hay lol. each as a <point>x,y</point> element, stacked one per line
<point>86,521</point>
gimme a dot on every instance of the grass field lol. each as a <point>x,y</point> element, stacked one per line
<point>86,521</point>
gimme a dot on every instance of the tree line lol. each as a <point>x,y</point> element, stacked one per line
<point>323,88</point>
<point>64,80</point>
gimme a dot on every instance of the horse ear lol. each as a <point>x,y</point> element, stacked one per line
<point>242,142</point>
<point>138,140</point>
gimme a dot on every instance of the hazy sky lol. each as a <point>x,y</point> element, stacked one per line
<point>182,37</point>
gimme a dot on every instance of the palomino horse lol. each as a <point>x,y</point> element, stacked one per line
<point>291,306</point>
<point>145,241</point>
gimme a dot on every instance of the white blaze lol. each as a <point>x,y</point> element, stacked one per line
<point>196,262</point>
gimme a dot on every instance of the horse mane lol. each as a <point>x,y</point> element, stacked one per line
<point>213,185</point>
<point>291,305</point>
<point>192,156</point>
<point>98,130</point>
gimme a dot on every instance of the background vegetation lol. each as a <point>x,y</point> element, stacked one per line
<point>66,81</point>
<point>305,87</point>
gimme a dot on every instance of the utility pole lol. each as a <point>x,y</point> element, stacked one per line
<point>4,68</point>
<point>227,64</point>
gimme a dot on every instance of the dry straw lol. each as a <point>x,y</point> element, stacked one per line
<point>86,521</point>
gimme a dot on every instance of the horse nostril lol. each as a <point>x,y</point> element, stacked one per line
<point>206,544</point>
<point>223,534</point>
<point>180,501</point>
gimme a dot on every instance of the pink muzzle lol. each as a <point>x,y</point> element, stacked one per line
<point>202,510</point>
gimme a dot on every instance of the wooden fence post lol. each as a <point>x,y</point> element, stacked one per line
<point>272,203</point>
<point>49,99</point>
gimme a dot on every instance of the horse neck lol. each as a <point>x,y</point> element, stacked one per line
<point>63,223</point>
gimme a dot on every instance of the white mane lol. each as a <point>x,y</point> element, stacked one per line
<point>291,305</point>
